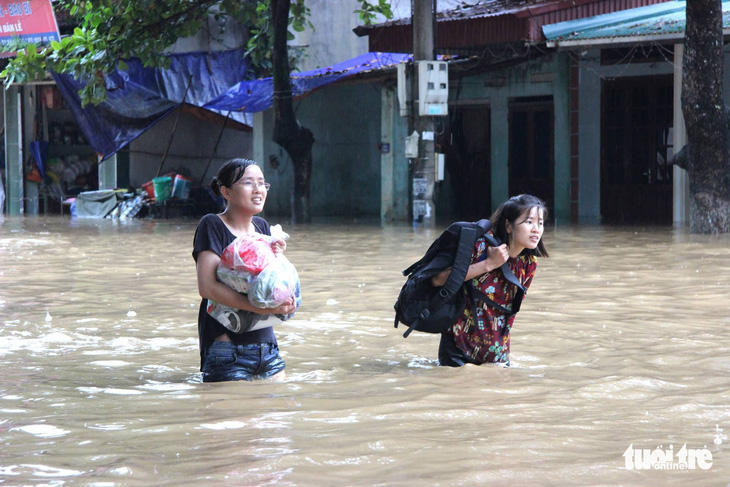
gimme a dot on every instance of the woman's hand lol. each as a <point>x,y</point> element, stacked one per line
<point>286,308</point>
<point>496,256</point>
<point>279,246</point>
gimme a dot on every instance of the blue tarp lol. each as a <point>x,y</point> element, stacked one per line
<point>140,97</point>
<point>257,95</point>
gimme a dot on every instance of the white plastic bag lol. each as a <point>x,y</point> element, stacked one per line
<point>240,321</point>
<point>249,266</point>
<point>275,284</point>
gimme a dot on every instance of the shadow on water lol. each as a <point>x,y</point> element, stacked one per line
<point>622,341</point>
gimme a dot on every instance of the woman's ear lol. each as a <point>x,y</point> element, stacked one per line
<point>508,227</point>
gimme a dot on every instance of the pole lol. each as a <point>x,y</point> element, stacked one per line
<point>422,167</point>
<point>174,127</point>
<point>215,148</point>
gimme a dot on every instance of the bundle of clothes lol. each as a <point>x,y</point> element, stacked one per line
<point>248,265</point>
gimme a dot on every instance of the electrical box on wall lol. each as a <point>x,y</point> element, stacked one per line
<point>433,88</point>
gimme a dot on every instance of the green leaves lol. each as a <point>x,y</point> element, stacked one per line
<point>368,12</point>
<point>299,16</point>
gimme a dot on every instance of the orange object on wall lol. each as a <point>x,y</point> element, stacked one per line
<point>34,175</point>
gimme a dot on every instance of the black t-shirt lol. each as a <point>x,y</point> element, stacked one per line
<point>212,234</point>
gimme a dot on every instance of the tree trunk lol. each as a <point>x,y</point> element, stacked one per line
<point>706,157</point>
<point>296,140</point>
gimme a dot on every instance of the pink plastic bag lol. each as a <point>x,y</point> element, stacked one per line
<point>248,265</point>
<point>248,253</point>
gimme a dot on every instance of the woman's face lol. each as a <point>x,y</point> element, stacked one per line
<point>248,193</point>
<point>526,232</point>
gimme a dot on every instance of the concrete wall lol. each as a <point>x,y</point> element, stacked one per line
<point>32,190</point>
<point>332,40</point>
<point>216,35</point>
<point>346,168</point>
<point>19,109</point>
<point>14,150</point>
<point>393,164</point>
<point>516,82</point>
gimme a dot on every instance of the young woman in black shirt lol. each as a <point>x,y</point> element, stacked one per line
<point>226,355</point>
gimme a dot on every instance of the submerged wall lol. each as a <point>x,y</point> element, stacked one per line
<point>345,120</point>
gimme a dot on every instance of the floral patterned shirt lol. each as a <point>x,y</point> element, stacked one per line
<point>486,339</point>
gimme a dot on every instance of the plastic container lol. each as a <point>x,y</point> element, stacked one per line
<point>149,188</point>
<point>163,188</point>
<point>181,187</point>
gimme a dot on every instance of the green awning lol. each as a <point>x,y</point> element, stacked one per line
<point>661,22</point>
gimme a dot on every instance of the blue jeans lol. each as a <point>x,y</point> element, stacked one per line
<point>226,361</point>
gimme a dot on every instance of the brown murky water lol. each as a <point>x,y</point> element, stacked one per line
<point>622,341</point>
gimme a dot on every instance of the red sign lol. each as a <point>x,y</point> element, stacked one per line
<point>30,20</point>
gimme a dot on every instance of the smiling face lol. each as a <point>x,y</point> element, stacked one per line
<point>526,231</point>
<point>248,193</point>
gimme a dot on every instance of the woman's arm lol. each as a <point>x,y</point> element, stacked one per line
<point>210,288</point>
<point>496,256</point>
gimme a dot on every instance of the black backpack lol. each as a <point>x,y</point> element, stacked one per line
<point>430,309</point>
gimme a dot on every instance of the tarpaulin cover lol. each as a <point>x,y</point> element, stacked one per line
<point>39,149</point>
<point>140,97</point>
<point>96,204</point>
<point>257,95</point>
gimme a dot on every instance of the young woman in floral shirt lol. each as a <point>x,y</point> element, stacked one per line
<point>519,223</point>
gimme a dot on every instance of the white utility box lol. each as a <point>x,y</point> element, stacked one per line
<point>433,88</point>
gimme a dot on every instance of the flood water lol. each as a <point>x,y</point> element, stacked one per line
<point>623,340</point>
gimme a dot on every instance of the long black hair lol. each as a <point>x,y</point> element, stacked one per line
<point>510,211</point>
<point>229,173</point>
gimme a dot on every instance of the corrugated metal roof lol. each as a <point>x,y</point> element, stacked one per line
<point>481,9</point>
<point>475,9</point>
<point>491,22</point>
<point>656,22</point>
<point>494,8</point>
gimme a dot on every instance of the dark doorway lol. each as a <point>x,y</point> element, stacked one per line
<point>636,142</point>
<point>531,153</point>
<point>465,140</point>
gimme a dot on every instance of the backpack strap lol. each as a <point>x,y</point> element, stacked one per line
<point>510,276</point>
<point>483,226</point>
<point>467,237</point>
<point>477,294</point>
<point>411,268</point>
